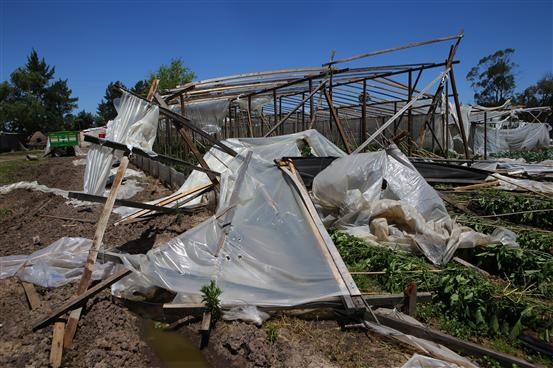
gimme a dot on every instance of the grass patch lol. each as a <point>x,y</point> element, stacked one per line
<point>9,167</point>
<point>529,156</point>
<point>5,213</point>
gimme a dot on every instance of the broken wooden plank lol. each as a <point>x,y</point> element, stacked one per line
<point>57,345</point>
<point>470,265</point>
<point>78,300</point>
<point>449,341</point>
<point>192,193</point>
<point>31,294</point>
<point>336,119</point>
<point>126,203</point>
<point>101,226</point>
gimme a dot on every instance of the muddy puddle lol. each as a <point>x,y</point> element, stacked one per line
<point>172,349</point>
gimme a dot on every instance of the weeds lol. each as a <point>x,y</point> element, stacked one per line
<point>272,333</point>
<point>210,297</point>
<point>5,213</point>
<point>529,156</point>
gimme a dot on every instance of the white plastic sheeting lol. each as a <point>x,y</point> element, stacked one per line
<point>266,149</point>
<point>516,166</point>
<point>135,126</point>
<point>269,257</point>
<point>381,198</point>
<point>422,361</point>
<point>512,184</point>
<point>528,136</point>
<point>246,313</point>
<point>206,115</point>
<point>58,264</point>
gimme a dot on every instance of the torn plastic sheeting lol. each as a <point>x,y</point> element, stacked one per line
<point>135,125</point>
<point>527,136</point>
<point>58,264</point>
<point>246,313</point>
<point>266,149</point>
<point>357,192</point>
<point>512,184</point>
<point>269,257</point>
<point>206,115</point>
<point>517,166</point>
<point>420,361</point>
<point>426,346</point>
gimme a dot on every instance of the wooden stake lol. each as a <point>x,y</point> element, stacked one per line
<point>57,345</point>
<point>337,121</point>
<point>32,295</point>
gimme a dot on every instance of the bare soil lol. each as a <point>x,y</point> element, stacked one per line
<point>110,335</point>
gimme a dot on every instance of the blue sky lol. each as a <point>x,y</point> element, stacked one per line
<point>94,42</point>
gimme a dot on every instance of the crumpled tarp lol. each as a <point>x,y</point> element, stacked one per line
<point>58,264</point>
<point>381,198</point>
<point>516,166</point>
<point>135,125</point>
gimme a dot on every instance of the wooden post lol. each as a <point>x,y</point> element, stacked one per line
<point>250,124</point>
<point>363,132</point>
<point>485,135</point>
<point>310,101</point>
<point>275,108</point>
<point>303,113</point>
<point>57,345</point>
<point>334,114</point>
<point>98,238</point>
<point>458,110</point>
<point>32,295</point>
<point>280,114</point>
<point>93,252</point>
<point>446,127</point>
<point>409,113</point>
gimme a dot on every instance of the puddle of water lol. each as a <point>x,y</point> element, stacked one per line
<point>172,349</point>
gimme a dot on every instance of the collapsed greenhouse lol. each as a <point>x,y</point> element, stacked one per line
<point>288,162</point>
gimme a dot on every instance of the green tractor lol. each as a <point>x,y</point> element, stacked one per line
<point>62,143</point>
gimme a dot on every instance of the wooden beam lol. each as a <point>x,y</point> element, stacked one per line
<point>458,110</point>
<point>414,44</point>
<point>295,108</point>
<point>97,241</point>
<point>127,203</point>
<point>337,121</point>
<point>185,134</point>
<point>31,294</point>
<point>79,300</point>
<point>397,114</point>
<point>449,341</point>
<point>57,345</point>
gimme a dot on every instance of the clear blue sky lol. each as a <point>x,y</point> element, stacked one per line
<point>94,42</point>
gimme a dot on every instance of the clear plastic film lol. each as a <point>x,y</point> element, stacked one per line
<point>266,254</point>
<point>58,264</point>
<point>525,137</point>
<point>381,198</point>
<point>418,361</point>
<point>135,125</point>
<point>206,115</point>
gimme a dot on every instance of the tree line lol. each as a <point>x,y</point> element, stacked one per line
<point>33,100</point>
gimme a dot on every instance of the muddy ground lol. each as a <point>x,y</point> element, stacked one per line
<point>110,335</point>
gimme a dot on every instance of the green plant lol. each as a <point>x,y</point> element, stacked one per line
<point>210,298</point>
<point>529,156</point>
<point>272,333</point>
<point>496,202</point>
<point>466,302</point>
<point>5,213</point>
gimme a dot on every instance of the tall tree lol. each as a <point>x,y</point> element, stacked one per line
<point>30,101</point>
<point>106,109</point>
<point>172,75</point>
<point>493,79</point>
<point>84,120</point>
<point>539,94</point>
<point>141,87</point>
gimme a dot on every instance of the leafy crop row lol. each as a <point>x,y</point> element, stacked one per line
<point>469,302</point>
<point>529,156</point>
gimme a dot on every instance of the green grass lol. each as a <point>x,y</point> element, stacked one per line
<point>5,213</point>
<point>8,167</point>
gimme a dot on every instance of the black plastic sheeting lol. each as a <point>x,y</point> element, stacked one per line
<point>433,172</point>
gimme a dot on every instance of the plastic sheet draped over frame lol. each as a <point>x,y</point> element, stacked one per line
<point>270,255</point>
<point>266,149</point>
<point>206,115</point>
<point>381,198</point>
<point>527,136</point>
<point>58,264</point>
<point>135,125</point>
